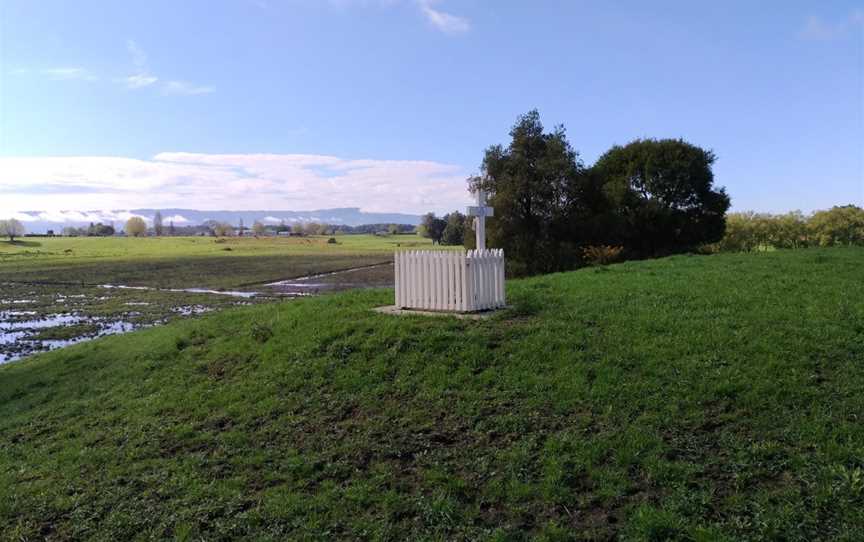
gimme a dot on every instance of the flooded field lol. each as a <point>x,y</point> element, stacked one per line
<point>39,317</point>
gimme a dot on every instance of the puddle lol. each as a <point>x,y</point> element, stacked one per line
<point>304,280</point>
<point>217,292</point>
<point>52,320</point>
<point>182,290</point>
<point>190,310</point>
<point>21,334</point>
<point>373,276</point>
<point>9,338</point>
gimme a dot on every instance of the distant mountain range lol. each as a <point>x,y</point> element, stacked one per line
<point>42,221</point>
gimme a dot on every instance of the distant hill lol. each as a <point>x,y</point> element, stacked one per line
<point>41,221</point>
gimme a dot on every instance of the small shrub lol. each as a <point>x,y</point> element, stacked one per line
<point>331,241</point>
<point>261,332</point>
<point>601,254</point>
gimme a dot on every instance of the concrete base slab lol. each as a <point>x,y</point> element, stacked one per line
<point>392,309</point>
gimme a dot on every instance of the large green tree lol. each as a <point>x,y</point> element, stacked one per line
<point>432,227</point>
<point>663,196</point>
<point>535,185</point>
<point>454,231</point>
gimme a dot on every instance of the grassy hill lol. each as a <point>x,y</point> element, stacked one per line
<point>693,398</point>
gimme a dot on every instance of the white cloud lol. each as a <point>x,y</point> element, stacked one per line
<point>58,74</point>
<point>69,74</point>
<point>139,57</point>
<point>443,21</point>
<point>141,78</point>
<point>229,181</point>
<point>139,81</point>
<point>818,29</point>
<point>77,216</point>
<point>185,89</point>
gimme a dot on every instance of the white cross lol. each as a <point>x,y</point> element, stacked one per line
<point>481,211</point>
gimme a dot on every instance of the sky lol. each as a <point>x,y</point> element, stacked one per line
<point>388,105</point>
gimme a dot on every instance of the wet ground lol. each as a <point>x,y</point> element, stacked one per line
<point>40,317</point>
<point>373,276</point>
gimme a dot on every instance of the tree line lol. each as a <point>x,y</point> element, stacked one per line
<point>647,198</point>
<point>453,229</point>
<point>750,232</point>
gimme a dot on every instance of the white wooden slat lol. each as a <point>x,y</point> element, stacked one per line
<point>451,281</point>
<point>407,277</point>
<point>433,282</point>
<point>439,282</point>
<point>493,283</point>
<point>415,283</point>
<point>445,291</point>
<point>478,273</point>
<point>493,278</point>
<point>398,281</point>
<point>430,280</point>
<point>409,280</point>
<point>485,280</point>
<point>425,284</point>
<point>469,283</point>
<point>475,283</point>
<point>466,279</point>
<point>430,270</point>
<point>501,279</point>
<point>457,277</point>
<point>436,278</point>
<point>478,281</point>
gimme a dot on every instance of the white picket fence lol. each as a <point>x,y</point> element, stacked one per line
<point>443,280</point>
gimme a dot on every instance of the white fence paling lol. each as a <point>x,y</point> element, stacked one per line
<point>450,280</point>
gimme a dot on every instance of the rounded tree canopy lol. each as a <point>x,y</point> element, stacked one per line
<point>673,172</point>
<point>136,226</point>
<point>665,188</point>
<point>11,228</point>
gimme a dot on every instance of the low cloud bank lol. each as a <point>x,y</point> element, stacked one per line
<point>54,185</point>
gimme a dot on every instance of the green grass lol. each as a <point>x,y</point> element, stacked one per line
<point>689,398</point>
<point>178,262</point>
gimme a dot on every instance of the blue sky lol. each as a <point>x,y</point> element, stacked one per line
<point>387,105</point>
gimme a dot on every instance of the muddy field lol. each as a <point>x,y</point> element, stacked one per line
<point>38,317</point>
